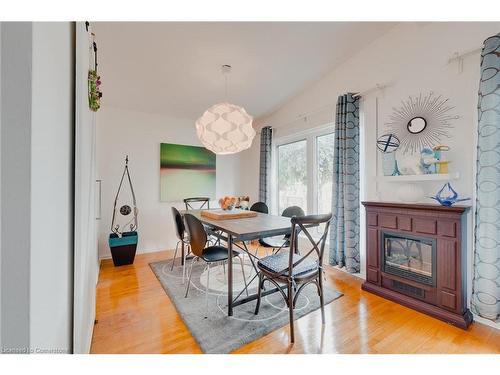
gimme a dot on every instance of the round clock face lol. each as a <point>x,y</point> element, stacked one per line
<point>125,210</point>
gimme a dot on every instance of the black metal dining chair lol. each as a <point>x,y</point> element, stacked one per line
<point>256,207</point>
<point>197,203</point>
<point>200,203</point>
<point>260,207</point>
<point>279,242</point>
<point>210,254</point>
<point>183,238</point>
<point>292,272</point>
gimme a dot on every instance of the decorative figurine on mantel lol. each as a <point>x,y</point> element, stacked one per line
<point>447,196</point>
<point>441,165</point>
<point>428,161</point>
<point>388,144</point>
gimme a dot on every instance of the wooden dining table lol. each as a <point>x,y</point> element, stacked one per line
<point>239,230</point>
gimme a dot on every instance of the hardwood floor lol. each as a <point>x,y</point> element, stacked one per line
<point>136,316</point>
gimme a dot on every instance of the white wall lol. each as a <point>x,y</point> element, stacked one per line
<point>0,184</point>
<point>37,186</point>
<point>86,262</point>
<point>121,132</point>
<point>412,58</point>
<point>16,46</point>
<point>51,263</point>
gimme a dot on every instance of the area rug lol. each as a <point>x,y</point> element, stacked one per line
<point>216,332</point>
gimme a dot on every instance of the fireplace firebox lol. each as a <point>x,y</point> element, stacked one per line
<point>415,256</point>
<point>410,257</point>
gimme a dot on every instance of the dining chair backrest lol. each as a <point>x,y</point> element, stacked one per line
<point>197,203</point>
<point>260,207</point>
<point>197,234</point>
<point>293,211</point>
<point>300,224</point>
<point>179,224</point>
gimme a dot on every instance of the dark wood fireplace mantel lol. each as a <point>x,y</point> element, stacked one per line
<point>430,226</point>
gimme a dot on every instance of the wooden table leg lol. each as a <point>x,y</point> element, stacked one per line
<point>230,275</point>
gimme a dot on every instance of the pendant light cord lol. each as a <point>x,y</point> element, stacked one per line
<point>225,86</point>
<point>226,69</point>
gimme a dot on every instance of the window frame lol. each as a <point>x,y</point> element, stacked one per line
<point>310,136</point>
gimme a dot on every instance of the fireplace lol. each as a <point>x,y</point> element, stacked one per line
<point>416,256</point>
<point>410,257</point>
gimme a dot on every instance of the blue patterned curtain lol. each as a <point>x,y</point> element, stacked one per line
<point>266,139</point>
<point>344,233</point>
<point>486,283</point>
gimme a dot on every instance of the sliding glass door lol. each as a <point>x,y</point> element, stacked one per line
<point>324,174</point>
<point>324,170</point>
<point>292,175</point>
<point>304,171</point>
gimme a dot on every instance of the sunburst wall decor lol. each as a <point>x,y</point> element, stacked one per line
<point>421,121</point>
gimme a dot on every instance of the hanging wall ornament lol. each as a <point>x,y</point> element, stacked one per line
<point>421,121</point>
<point>94,80</point>
<point>388,143</point>
<point>123,238</point>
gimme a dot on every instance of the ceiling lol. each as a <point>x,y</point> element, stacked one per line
<point>174,68</point>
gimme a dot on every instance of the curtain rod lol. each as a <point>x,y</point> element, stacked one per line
<point>333,106</point>
<point>458,56</point>
<point>377,87</point>
<point>303,116</point>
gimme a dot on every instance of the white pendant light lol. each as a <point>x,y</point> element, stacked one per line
<point>225,128</point>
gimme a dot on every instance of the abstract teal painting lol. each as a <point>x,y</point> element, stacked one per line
<point>186,171</point>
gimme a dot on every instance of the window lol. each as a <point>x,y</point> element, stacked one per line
<point>324,165</point>
<point>304,171</point>
<point>292,175</point>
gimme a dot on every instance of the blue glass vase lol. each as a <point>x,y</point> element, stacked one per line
<point>447,196</point>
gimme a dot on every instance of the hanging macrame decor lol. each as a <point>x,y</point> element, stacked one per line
<point>124,237</point>
<point>94,80</point>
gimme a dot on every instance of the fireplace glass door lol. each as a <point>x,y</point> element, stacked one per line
<point>410,257</point>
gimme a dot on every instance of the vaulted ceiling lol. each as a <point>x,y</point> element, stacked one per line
<point>174,68</point>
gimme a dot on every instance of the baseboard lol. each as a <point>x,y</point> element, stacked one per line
<point>89,342</point>
<point>486,322</point>
<point>359,275</point>
<point>146,251</point>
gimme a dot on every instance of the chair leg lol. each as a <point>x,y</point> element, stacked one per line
<point>225,273</point>
<point>186,253</point>
<point>175,254</point>
<point>290,309</point>
<point>207,287</point>
<point>257,251</point>
<point>189,280</point>
<point>243,272</point>
<point>259,294</point>
<point>321,298</point>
